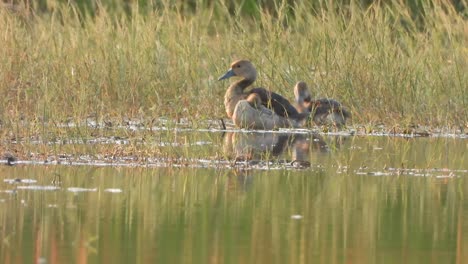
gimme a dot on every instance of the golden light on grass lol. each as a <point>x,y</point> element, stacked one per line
<point>387,65</point>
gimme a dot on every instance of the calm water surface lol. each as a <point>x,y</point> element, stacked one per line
<point>246,198</point>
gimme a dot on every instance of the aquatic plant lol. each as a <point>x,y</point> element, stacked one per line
<point>391,63</point>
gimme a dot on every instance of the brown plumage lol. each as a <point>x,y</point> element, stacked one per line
<point>322,111</point>
<point>277,108</point>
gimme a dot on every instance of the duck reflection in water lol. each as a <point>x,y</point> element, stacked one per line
<point>255,146</point>
<point>283,148</point>
<point>239,180</point>
<point>287,149</point>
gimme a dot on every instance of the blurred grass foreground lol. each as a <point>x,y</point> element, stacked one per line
<point>391,62</point>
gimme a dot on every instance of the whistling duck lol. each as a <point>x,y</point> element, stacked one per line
<point>276,112</point>
<point>322,111</point>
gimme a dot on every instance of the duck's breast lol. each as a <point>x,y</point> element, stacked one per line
<point>231,101</point>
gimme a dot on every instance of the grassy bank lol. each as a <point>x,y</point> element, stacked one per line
<point>383,62</point>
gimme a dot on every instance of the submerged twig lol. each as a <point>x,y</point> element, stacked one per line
<point>222,124</point>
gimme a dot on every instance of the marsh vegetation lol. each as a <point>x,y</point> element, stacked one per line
<point>119,104</point>
<point>394,65</point>
<point>391,64</point>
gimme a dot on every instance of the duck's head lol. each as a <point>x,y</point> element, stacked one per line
<point>254,100</point>
<point>241,68</point>
<point>301,92</point>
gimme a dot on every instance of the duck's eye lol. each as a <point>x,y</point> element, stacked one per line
<point>238,66</point>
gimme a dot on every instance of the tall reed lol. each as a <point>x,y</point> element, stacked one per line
<point>381,60</point>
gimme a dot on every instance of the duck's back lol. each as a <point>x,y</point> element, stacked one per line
<point>325,105</point>
<point>280,105</point>
<point>329,111</point>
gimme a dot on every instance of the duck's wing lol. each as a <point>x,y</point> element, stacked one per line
<point>258,116</point>
<point>265,111</point>
<point>280,105</point>
<point>325,106</point>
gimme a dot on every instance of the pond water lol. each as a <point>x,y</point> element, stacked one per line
<point>244,198</point>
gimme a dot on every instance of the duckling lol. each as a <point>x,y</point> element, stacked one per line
<point>322,111</point>
<point>277,104</point>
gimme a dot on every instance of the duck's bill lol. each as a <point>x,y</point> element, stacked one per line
<point>228,74</point>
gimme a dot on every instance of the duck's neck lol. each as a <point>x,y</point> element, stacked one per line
<point>234,94</point>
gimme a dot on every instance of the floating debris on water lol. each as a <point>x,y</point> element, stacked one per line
<point>79,189</point>
<point>38,187</point>
<point>300,164</point>
<point>9,191</point>
<point>17,180</point>
<point>112,190</point>
<point>296,217</point>
<point>431,172</point>
<point>179,145</point>
<point>10,159</point>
